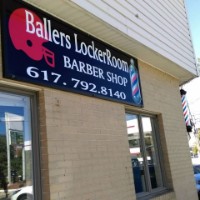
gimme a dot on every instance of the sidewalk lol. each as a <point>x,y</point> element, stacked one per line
<point>2,195</point>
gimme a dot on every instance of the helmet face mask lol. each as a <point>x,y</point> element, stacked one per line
<point>49,57</point>
<point>29,43</point>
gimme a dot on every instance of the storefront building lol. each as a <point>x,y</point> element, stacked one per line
<point>90,107</point>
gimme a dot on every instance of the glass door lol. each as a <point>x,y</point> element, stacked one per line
<point>144,153</point>
<point>16,171</point>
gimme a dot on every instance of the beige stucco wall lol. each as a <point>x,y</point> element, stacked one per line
<point>85,148</point>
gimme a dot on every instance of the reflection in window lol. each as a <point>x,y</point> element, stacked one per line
<point>153,165</point>
<point>142,145</point>
<point>15,147</point>
<point>136,153</point>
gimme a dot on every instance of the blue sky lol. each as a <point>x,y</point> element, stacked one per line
<point>9,109</point>
<point>193,11</point>
<point>192,88</point>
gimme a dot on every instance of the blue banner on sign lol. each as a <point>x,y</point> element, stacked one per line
<point>42,50</point>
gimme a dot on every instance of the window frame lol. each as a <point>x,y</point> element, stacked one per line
<point>35,134</point>
<point>158,151</point>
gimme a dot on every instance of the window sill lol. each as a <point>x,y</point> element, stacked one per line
<point>157,194</point>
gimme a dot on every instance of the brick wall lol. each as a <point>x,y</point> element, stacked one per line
<point>87,148</point>
<point>161,95</point>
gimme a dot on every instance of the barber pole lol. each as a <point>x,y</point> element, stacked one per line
<point>185,110</point>
<point>135,87</point>
<point>186,113</point>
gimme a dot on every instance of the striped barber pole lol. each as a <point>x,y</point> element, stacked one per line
<point>135,87</point>
<point>186,112</point>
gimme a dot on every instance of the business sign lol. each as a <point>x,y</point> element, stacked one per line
<point>41,49</point>
<point>16,137</point>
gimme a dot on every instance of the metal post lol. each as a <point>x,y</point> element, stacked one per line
<point>8,148</point>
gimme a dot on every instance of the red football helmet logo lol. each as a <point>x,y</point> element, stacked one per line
<point>29,43</point>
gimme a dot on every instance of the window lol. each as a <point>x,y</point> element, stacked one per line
<point>144,153</point>
<point>16,144</point>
